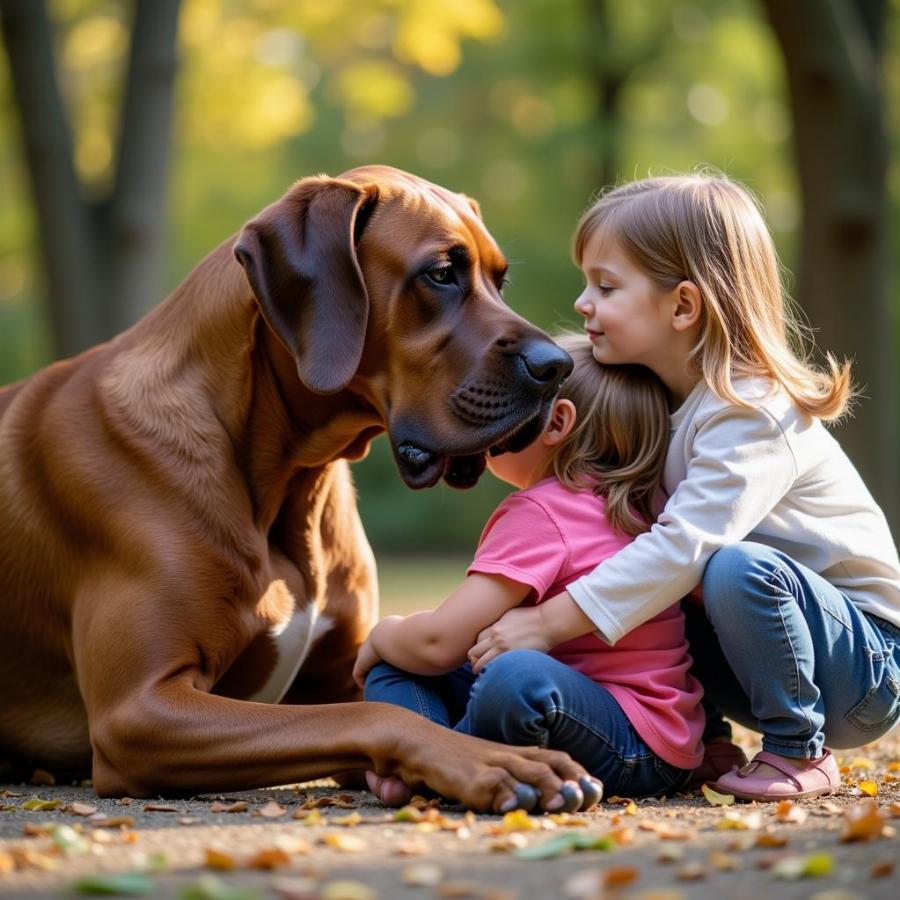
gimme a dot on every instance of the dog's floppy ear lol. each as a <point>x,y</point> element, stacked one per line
<point>300,258</point>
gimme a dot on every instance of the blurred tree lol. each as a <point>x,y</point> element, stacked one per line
<point>832,53</point>
<point>103,257</point>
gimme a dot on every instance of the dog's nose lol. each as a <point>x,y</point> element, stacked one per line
<point>546,363</point>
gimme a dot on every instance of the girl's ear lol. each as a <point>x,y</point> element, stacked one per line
<point>688,306</point>
<point>562,419</point>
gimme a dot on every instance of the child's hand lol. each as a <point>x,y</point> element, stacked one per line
<point>365,660</point>
<point>519,628</point>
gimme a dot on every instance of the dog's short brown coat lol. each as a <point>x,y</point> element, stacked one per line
<point>178,527</point>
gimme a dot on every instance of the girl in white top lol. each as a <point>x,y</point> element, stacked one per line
<point>768,524</point>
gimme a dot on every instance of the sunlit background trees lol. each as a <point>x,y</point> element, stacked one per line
<point>135,136</point>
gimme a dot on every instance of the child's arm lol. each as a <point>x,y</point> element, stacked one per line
<point>435,642</point>
<point>539,627</point>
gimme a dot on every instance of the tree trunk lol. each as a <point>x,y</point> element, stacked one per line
<point>136,214</point>
<point>831,50</point>
<point>104,263</point>
<point>64,220</point>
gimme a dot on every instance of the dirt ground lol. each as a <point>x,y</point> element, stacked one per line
<point>683,847</point>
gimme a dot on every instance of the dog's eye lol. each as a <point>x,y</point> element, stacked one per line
<point>441,275</point>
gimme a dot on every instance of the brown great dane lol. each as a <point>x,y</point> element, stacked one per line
<point>184,579</point>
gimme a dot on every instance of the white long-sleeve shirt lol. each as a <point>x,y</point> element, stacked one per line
<point>770,474</point>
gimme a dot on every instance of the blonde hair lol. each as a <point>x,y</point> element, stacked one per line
<point>709,230</point>
<point>617,446</point>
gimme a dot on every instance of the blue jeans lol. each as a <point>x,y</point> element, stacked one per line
<point>784,652</point>
<point>528,698</point>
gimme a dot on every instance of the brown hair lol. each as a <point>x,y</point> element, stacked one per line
<point>617,446</point>
<point>709,230</point>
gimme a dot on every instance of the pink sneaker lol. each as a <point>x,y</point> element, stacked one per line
<point>811,778</point>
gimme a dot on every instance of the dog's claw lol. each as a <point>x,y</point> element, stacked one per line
<point>526,797</point>
<point>592,790</point>
<point>572,795</point>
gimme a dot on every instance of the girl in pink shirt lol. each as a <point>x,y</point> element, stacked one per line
<point>630,714</point>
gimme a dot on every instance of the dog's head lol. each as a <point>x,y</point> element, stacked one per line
<point>388,285</point>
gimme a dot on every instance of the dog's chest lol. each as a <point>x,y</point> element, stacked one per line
<point>290,642</point>
<point>287,627</point>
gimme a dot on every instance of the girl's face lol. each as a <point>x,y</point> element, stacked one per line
<point>625,314</point>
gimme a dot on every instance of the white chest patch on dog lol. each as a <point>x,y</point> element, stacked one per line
<point>293,639</point>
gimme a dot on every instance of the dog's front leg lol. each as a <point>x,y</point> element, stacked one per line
<point>146,660</point>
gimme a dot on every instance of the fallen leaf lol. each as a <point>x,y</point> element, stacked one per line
<point>413,847</point>
<point>508,842</point>
<point>815,865</point>
<point>863,821</point>
<point>238,806</point>
<point>341,841</point>
<point>568,842</point>
<point>209,887</point>
<point>7,863</point>
<point>160,807</point>
<point>309,816</point>
<point>667,832</point>
<point>348,821</point>
<point>8,793</point>
<point>422,874</point>
<point>724,862</point>
<point>734,821</point>
<point>125,801</point>
<point>36,829</point>
<point>219,860</point>
<point>788,811</point>
<point>271,810</point>
<point>829,806</point>
<point>68,840</point>
<point>869,788</point>
<point>269,858</point>
<point>82,809</point>
<point>670,853</point>
<point>131,883</point>
<point>882,868</point>
<point>114,822</point>
<point>771,840</point>
<point>295,888</point>
<point>346,890</point>
<point>458,889</point>
<point>189,820</point>
<point>862,762</point>
<point>342,801</point>
<point>517,820</point>
<point>893,810</point>
<point>38,805</point>
<point>619,876</point>
<point>715,798</point>
<point>692,871</point>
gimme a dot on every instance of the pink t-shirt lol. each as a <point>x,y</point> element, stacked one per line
<point>547,536</point>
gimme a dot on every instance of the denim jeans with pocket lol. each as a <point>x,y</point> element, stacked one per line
<point>527,698</point>
<point>786,653</point>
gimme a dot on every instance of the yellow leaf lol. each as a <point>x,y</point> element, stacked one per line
<point>41,805</point>
<point>346,890</point>
<point>347,821</point>
<point>219,860</point>
<point>869,788</point>
<point>862,821</point>
<point>734,821</point>
<point>518,820</point>
<point>715,798</point>
<point>861,762</point>
<point>346,842</point>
